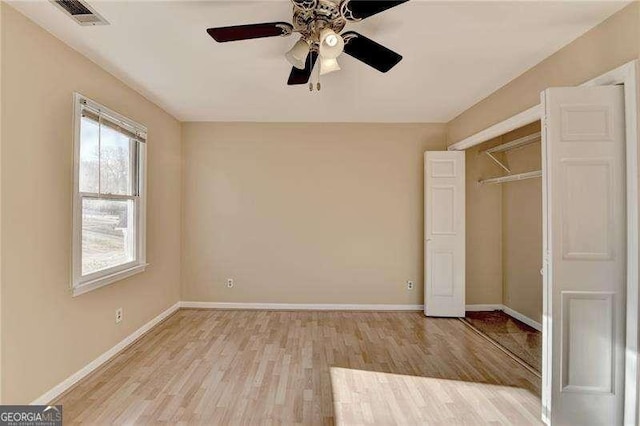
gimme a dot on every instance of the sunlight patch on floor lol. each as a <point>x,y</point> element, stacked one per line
<point>371,397</point>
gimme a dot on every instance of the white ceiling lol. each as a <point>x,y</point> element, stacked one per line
<point>455,54</point>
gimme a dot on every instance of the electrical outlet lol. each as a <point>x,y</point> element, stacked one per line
<point>119,315</point>
<point>229,282</point>
<point>409,285</point>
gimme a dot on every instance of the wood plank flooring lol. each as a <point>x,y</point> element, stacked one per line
<point>277,367</point>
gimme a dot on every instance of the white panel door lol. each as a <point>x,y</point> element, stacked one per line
<point>585,255</point>
<point>444,233</point>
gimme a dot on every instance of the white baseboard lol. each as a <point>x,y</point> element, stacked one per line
<point>480,308</point>
<point>301,306</point>
<point>63,386</point>
<point>517,315</point>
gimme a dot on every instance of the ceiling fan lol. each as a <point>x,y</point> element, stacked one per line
<point>319,23</point>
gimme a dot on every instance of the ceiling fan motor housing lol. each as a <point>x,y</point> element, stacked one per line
<point>310,17</point>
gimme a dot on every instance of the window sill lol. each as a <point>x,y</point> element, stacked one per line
<point>107,279</point>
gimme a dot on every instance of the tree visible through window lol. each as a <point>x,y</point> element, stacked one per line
<point>109,153</point>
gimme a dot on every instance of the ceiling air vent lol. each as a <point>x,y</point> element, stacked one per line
<point>80,12</point>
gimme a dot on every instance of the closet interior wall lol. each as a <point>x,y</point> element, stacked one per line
<point>504,227</point>
<point>522,229</point>
<point>483,229</point>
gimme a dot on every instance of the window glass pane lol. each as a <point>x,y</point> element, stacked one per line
<point>115,162</point>
<point>88,156</point>
<point>108,238</point>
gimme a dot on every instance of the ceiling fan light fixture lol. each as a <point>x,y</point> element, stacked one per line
<point>297,56</point>
<point>328,65</point>
<point>321,24</point>
<point>331,44</point>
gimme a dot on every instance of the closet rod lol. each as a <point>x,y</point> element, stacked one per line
<point>514,143</point>
<point>511,178</point>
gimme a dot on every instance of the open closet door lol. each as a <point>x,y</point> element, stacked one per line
<point>444,249</point>
<point>584,224</point>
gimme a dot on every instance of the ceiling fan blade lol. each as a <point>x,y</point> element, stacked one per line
<point>246,32</point>
<point>356,10</point>
<point>368,51</point>
<point>299,76</point>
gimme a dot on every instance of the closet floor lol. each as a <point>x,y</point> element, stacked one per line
<point>518,338</point>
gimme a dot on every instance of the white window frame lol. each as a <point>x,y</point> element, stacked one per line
<point>82,284</point>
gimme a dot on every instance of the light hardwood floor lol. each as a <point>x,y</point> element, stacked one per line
<point>265,367</point>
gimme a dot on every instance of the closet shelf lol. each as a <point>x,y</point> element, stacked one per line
<point>526,140</point>
<point>517,143</point>
<point>511,178</point>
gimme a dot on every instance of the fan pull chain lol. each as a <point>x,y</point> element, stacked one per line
<point>318,85</point>
<point>311,76</point>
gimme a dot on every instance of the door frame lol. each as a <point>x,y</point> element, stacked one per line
<point>626,75</point>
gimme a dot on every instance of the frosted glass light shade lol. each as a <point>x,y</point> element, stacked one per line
<point>297,56</point>
<point>328,65</point>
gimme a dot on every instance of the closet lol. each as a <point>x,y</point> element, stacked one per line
<point>579,215</point>
<point>504,241</point>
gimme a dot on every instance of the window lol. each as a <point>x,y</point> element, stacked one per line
<point>109,197</point>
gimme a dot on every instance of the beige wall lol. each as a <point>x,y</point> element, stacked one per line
<point>484,236</point>
<point>304,213</point>
<point>522,230</point>
<point>504,228</point>
<point>46,334</point>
